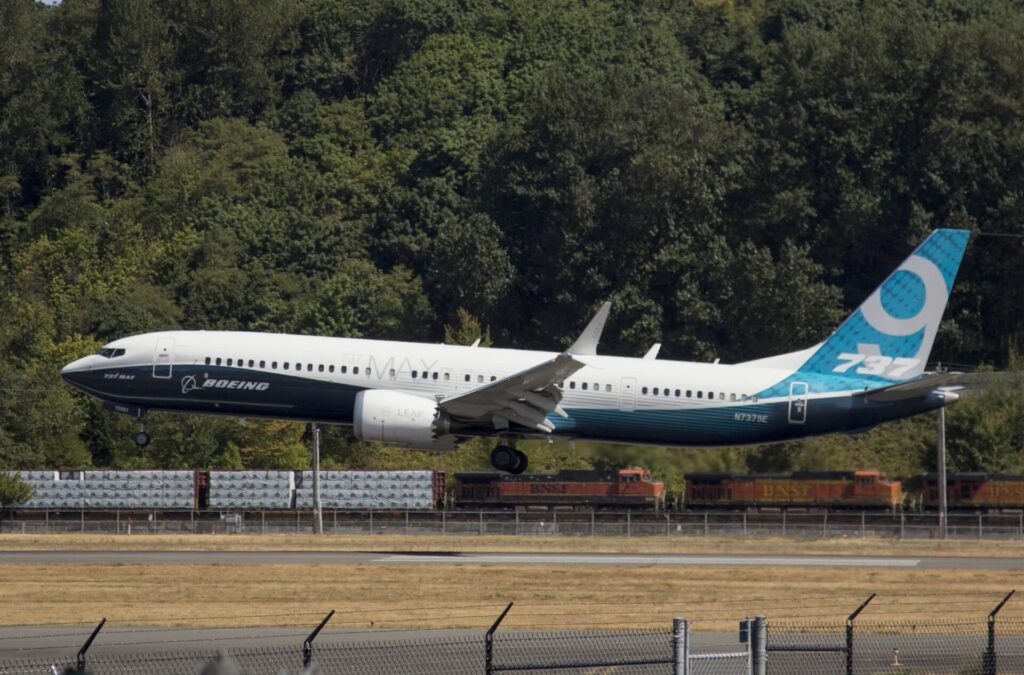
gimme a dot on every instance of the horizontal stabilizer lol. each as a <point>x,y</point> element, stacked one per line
<point>915,388</point>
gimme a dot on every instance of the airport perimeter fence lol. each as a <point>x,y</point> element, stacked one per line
<point>848,524</point>
<point>980,646</point>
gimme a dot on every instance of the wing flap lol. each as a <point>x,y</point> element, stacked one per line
<point>525,398</point>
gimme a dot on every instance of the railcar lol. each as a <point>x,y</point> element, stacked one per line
<point>975,491</point>
<point>866,489</point>
<point>630,488</point>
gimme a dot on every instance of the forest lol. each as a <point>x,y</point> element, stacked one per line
<point>734,176</point>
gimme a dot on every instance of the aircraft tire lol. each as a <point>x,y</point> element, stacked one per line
<point>522,461</point>
<point>503,458</point>
<point>142,439</point>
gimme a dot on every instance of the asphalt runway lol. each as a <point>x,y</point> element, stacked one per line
<point>510,559</point>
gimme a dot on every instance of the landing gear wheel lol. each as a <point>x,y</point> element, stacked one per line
<point>142,439</point>
<point>503,458</point>
<point>521,463</point>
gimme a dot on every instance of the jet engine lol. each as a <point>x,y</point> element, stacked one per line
<point>402,420</point>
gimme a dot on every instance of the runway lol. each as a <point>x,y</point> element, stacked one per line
<point>509,559</point>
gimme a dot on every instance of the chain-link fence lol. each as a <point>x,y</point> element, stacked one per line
<point>875,646</point>
<point>982,526</point>
<point>983,646</point>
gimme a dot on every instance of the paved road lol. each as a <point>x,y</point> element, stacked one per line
<point>512,559</point>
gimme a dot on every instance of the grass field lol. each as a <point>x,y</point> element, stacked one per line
<point>375,597</point>
<point>430,543</point>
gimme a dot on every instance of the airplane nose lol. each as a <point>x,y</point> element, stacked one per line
<point>69,371</point>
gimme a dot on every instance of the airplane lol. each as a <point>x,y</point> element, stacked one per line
<point>870,370</point>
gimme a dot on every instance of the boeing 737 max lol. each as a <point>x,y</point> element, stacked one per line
<point>432,396</point>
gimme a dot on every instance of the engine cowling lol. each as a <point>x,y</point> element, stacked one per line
<point>401,419</point>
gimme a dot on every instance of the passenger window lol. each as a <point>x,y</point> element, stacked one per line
<point>321,368</point>
<point>229,362</point>
<point>597,387</point>
<point>479,378</point>
<point>583,386</point>
<point>391,372</point>
<point>447,376</point>
<point>330,369</point>
<point>207,360</point>
<point>218,361</point>
<point>700,394</point>
<point>655,391</point>
<point>493,378</point>
<point>608,388</point>
<point>572,385</point>
<point>435,374</point>
<point>414,374</point>
<point>467,378</point>
<point>309,367</point>
<point>285,365</point>
<point>355,370</point>
<point>367,370</point>
<point>754,398</point>
<point>273,364</point>
<point>732,397</point>
<point>678,393</point>
<point>644,390</point>
<point>344,369</point>
<point>667,392</point>
<point>689,393</point>
<point>721,396</point>
<point>711,395</point>
<point>744,397</point>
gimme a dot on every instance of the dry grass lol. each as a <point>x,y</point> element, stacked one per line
<point>413,596</point>
<point>375,597</point>
<point>546,544</point>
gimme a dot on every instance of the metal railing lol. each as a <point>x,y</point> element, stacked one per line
<point>847,524</point>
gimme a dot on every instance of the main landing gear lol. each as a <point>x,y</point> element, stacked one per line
<point>507,458</point>
<point>142,438</point>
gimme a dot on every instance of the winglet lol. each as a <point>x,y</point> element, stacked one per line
<point>586,343</point>
<point>652,353</point>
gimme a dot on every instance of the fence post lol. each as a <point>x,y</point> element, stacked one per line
<point>863,532</point>
<point>680,646</point>
<point>629,524</point>
<point>307,644</point>
<point>407,521</point>
<point>989,663</point>
<point>824,526</point>
<point>979,526</point>
<point>705,523</point>
<point>489,642</point>
<point>902,518</point>
<point>371,521</point>
<point>555,520</point>
<point>444,522</point>
<point>80,661</point>
<point>482,523</point>
<point>759,645</point>
<point>591,522</point>
<point>744,523</point>
<point>849,633</point>
<point>668,524</point>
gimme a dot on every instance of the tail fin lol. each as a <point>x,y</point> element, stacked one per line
<point>889,337</point>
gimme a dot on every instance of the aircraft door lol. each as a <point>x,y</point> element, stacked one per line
<point>162,357</point>
<point>627,393</point>
<point>797,402</point>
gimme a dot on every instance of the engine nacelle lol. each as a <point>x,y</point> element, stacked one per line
<point>401,419</point>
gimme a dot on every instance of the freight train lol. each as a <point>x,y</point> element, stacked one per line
<point>626,489</point>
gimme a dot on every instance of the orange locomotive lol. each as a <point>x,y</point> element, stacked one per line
<point>975,491</point>
<point>832,489</point>
<point>628,488</point>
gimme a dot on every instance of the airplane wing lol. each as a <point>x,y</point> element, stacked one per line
<point>525,397</point>
<point>914,388</point>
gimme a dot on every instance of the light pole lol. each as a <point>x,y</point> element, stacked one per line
<point>318,514</point>
<point>943,528</point>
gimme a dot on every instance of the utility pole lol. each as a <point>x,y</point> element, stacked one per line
<point>943,527</point>
<point>318,514</point>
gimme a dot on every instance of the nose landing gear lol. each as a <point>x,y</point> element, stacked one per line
<point>507,458</point>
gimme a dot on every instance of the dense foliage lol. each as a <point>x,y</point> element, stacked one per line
<point>733,175</point>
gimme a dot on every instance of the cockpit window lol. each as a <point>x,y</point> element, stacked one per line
<point>110,353</point>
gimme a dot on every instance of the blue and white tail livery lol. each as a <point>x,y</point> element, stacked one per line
<point>430,396</point>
